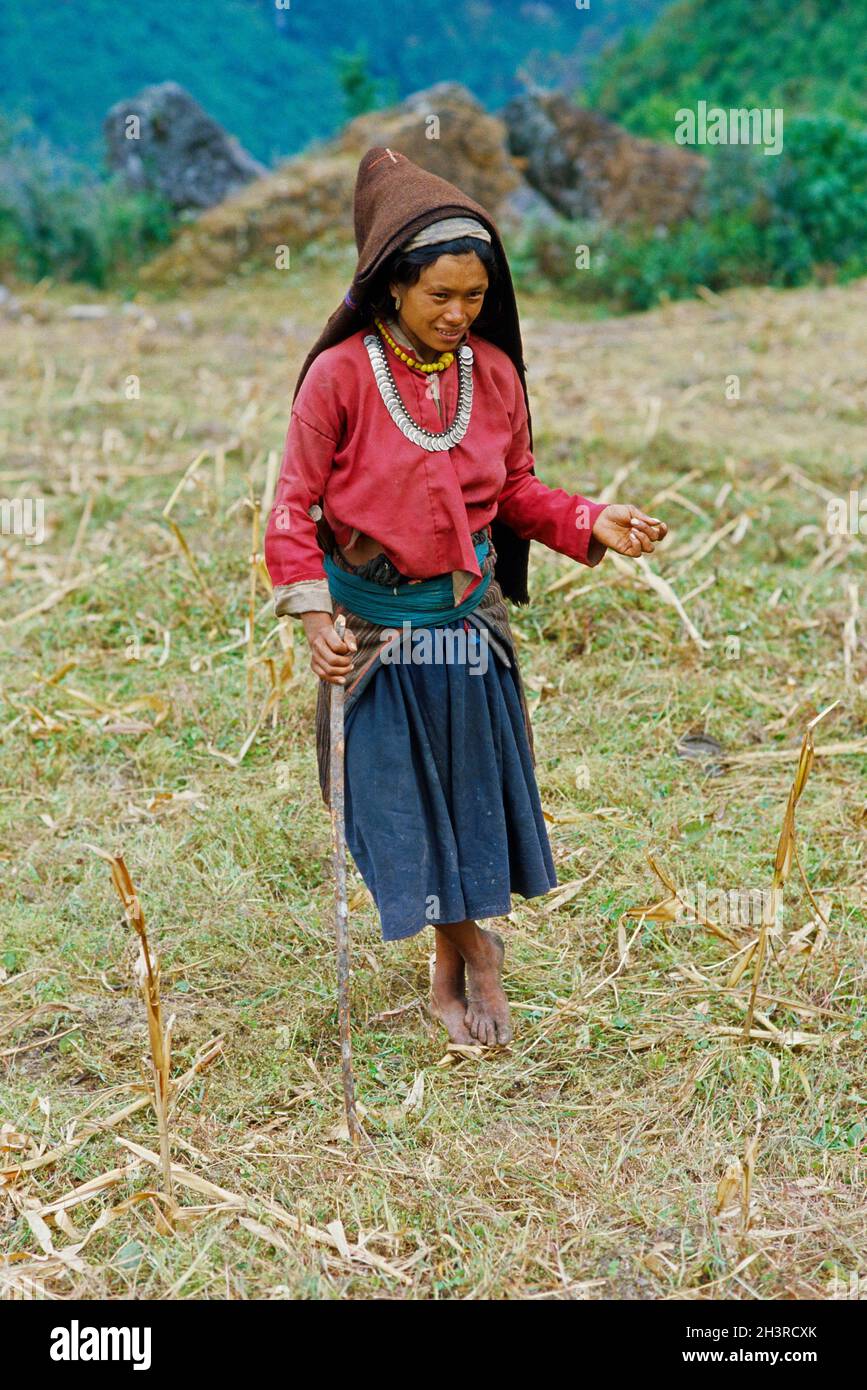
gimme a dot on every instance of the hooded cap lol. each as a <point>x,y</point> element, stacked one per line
<point>394,199</point>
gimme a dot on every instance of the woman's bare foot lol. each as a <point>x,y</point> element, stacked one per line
<point>448,1000</point>
<point>487,1015</point>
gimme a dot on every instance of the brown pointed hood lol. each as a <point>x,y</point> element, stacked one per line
<point>394,198</point>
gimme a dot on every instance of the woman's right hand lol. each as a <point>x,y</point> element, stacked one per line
<point>330,655</point>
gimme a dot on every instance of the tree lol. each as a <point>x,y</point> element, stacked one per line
<point>359,88</point>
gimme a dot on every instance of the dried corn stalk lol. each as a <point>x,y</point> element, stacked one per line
<point>147,976</point>
<point>786,851</point>
<point>672,907</point>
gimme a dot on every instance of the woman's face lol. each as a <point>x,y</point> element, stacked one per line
<point>440,307</point>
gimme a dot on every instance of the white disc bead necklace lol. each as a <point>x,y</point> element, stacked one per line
<point>431,440</point>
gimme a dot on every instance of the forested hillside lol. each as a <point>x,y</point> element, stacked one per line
<point>805,56</point>
<point>271,75</point>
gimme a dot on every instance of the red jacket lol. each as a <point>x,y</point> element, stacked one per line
<point>343,447</point>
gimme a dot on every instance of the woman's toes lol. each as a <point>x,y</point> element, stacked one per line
<point>488,1028</point>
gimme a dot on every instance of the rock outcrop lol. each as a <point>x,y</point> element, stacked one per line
<point>163,140</point>
<point>442,128</point>
<point>550,159</point>
<point>307,200</point>
<point>447,131</point>
<point>585,166</point>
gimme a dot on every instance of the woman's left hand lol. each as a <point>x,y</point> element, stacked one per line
<point>627,530</point>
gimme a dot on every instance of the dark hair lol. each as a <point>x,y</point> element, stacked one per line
<point>406,266</point>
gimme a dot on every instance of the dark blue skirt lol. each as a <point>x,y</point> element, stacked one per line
<point>443,816</point>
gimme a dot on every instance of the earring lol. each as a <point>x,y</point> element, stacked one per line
<point>397,303</point>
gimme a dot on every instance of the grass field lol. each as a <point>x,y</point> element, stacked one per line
<point>584,1162</point>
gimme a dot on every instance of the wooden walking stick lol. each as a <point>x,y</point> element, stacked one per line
<point>341,912</point>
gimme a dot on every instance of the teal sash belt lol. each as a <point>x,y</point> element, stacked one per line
<point>428,603</point>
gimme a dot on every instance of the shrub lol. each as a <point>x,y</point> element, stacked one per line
<point>780,220</point>
<point>818,194</point>
<point>57,218</point>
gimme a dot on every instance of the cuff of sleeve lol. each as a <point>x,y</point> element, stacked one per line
<point>305,596</point>
<point>590,550</point>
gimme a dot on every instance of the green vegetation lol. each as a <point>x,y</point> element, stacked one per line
<point>360,92</point>
<point>807,56</point>
<point>268,74</point>
<point>280,79</point>
<point>58,219</point>
<point>780,221</point>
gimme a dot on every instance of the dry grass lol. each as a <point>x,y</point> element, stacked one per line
<point>630,1143</point>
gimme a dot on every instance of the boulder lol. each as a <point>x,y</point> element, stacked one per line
<point>588,167</point>
<point>448,132</point>
<point>443,129</point>
<point>545,158</point>
<point>305,201</point>
<point>163,140</point>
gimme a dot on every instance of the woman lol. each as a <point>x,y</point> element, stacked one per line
<point>407,500</point>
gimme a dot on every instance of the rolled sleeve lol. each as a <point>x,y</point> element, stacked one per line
<point>306,596</point>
